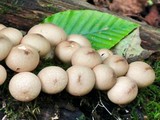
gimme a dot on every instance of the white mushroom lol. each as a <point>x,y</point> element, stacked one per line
<point>141,73</point>
<point>65,50</point>
<point>13,34</point>
<point>81,80</point>
<point>24,86</point>
<point>2,26</point>
<point>5,46</point>
<point>104,53</point>
<point>50,54</point>
<point>3,74</point>
<point>81,40</point>
<point>22,58</point>
<point>51,32</point>
<point>118,63</point>
<point>124,91</point>
<point>86,56</point>
<point>105,77</point>
<point>38,42</point>
<point>53,79</point>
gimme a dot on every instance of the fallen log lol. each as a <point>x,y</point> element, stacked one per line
<point>23,14</point>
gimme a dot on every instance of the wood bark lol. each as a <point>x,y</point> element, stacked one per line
<point>23,14</point>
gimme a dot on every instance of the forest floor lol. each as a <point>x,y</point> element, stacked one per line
<point>95,105</point>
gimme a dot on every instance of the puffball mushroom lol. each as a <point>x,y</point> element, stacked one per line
<point>105,77</point>
<point>123,92</point>
<point>5,46</point>
<point>118,63</point>
<point>86,56</point>
<point>141,73</point>
<point>81,40</point>
<point>2,26</point>
<point>53,79</point>
<point>25,86</point>
<point>3,74</point>
<point>50,54</point>
<point>81,80</point>
<point>38,42</point>
<point>104,53</point>
<point>13,34</point>
<point>51,32</point>
<point>22,58</point>
<point>65,50</point>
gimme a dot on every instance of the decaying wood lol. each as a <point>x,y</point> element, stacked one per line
<point>23,14</point>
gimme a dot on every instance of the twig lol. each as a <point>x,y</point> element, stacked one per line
<point>100,104</point>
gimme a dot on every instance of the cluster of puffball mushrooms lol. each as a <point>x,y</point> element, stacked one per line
<point>90,69</point>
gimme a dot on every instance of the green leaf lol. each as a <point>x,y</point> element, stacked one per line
<point>150,2</point>
<point>102,29</point>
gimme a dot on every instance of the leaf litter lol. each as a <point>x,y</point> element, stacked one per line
<point>147,11</point>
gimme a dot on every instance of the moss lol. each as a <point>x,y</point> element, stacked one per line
<point>146,105</point>
<point>149,98</point>
<point>8,8</point>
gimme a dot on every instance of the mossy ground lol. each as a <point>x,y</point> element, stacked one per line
<point>148,98</point>
<point>94,106</point>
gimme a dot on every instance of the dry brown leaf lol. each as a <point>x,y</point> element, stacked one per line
<point>101,3</point>
<point>128,7</point>
<point>153,18</point>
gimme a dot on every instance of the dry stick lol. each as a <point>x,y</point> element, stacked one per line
<point>100,104</point>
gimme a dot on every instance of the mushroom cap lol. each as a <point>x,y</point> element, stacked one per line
<point>2,26</point>
<point>105,77</point>
<point>51,32</point>
<point>124,91</point>
<point>104,53</point>
<point>86,56</point>
<point>81,80</point>
<point>81,40</point>
<point>22,58</point>
<point>118,63</point>
<point>3,74</point>
<point>141,73</point>
<point>53,79</point>
<point>5,46</point>
<point>65,50</point>
<point>50,54</point>
<point>24,86</point>
<point>13,34</point>
<point>38,42</point>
